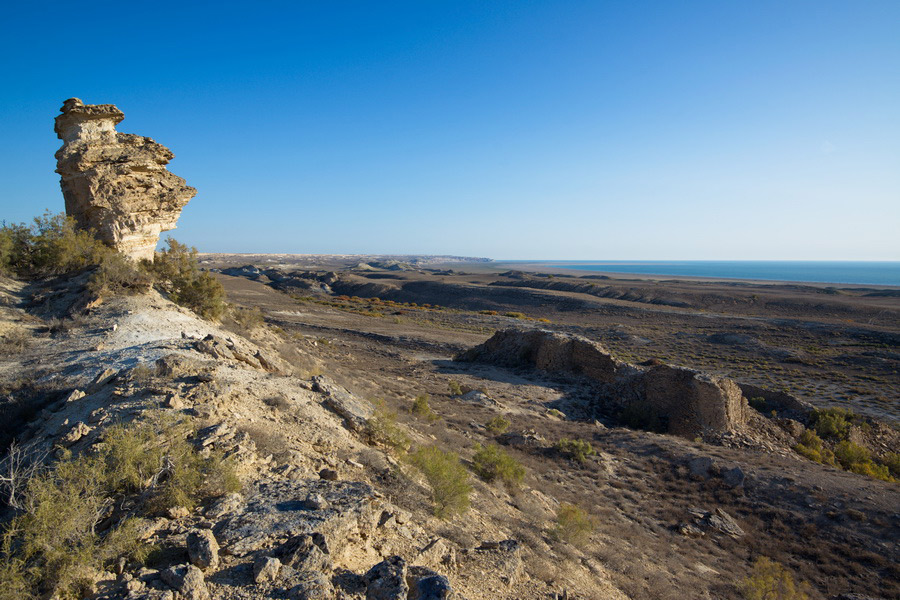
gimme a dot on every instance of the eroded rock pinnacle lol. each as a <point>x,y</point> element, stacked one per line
<point>116,184</point>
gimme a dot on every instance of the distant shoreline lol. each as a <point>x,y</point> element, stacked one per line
<point>888,272</point>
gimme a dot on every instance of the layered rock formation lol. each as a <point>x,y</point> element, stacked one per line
<point>116,184</point>
<point>677,400</point>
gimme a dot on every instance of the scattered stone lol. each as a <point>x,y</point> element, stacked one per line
<point>186,580</point>
<point>328,474</point>
<point>478,397</point>
<point>102,378</point>
<point>307,553</point>
<point>203,550</point>
<point>179,512</point>
<point>266,569</point>
<point>223,506</point>
<point>719,520</point>
<point>315,502</point>
<point>75,395</point>
<point>700,467</point>
<point>116,184</point>
<point>425,584</point>
<point>387,580</point>
<point>687,402</point>
<point>76,433</point>
<point>310,585</point>
<point>733,477</point>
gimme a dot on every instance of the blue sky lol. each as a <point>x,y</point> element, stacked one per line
<point>518,130</point>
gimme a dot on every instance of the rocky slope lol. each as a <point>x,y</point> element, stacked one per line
<point>311,521</point>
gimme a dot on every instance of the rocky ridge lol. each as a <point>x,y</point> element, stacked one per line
<point>116,184</point>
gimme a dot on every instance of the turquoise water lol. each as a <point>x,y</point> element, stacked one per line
<point>852,272</point>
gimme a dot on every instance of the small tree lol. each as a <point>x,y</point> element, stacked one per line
<point>447,478</point>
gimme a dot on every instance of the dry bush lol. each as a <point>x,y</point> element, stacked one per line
<point>573,525</point>
<point>382,429</point>
<point>14,341</point>
<point>771,581</point>
<point>54,545</point>
<point>117,275</point>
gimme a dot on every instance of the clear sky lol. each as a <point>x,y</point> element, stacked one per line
<point>508,129</point>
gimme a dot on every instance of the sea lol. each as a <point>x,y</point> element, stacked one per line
<point>837,272</point>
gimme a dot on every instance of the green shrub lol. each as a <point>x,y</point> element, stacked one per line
<point>492,463</point>
<point>52,245</point>
<point>771,581</point>
<point>117,275</point>
<point>857,459</point>
<point>382,429</point>
<point>577,450</point>
<point>812,447</point>
<point>422,410</point>
<point>179,274</point>
<point>573,525</point>
<point>447,478</point>
<point>55,545</point>
<point>497,425</point>
<point>892,461</point>
<point>455,388</point>
<point>833,423</point>
<point>514,315</point>
<point>759,403</point>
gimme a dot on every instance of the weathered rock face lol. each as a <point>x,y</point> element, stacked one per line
<point>684,402</point>
<point>693,403</point>
<point>116,184</point>
<point>548,351</point>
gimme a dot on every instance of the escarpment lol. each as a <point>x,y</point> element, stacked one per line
<point>116,184</point>
<point>672,399</point>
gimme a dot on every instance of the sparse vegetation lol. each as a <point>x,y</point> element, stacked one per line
<point>498,425</point>
<point>492,463</point>
<point>577,450</point>
<point>117,275</point>
<point>772,581</point>
<point>55,544</point>
<point>50,246</point>
<point>422,410</point>
<point>382,429</point>
<point>179,274</point>
<point>573,524</point>
<point>247,318</point>
<point>447,478</point>
<point>455,388</point>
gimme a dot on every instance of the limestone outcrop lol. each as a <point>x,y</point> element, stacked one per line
<point>673,399</point>
<point>116,184</point>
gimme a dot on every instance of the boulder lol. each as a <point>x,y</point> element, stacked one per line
<point>203,550</point>
<point>116,184</point>
<point>387,580</point>
<point>266,569</point>
<point>187,580</point>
